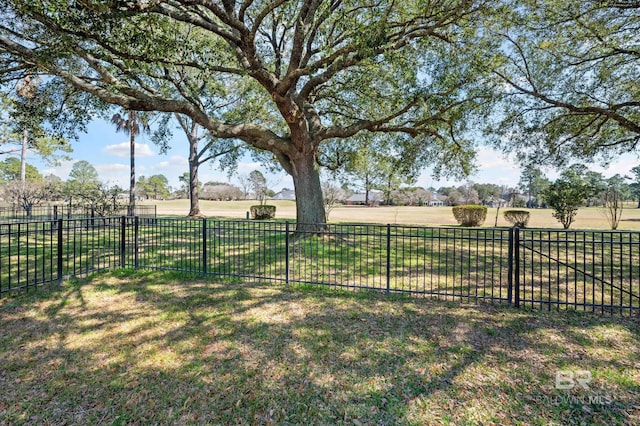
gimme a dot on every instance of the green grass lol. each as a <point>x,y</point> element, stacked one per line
<point>456,262</point>
<point>149,348</point>
<point>587,217</point>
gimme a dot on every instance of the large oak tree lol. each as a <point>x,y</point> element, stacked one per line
<point>571,73</point>
<point>294,74</point>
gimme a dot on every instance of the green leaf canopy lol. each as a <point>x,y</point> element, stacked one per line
<point>284,77</point>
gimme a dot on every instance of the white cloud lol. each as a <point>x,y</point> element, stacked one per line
<point>498,168</point>
<point>174,161</point>
<point>489,158</point>
<point>171,168</point>
<point>622,166</point>
<point>123,150</point>
<point>114,174</point>
<point>61,170</point>
<point>281,181</point>
<point>248,167</point>
<point>492,167</point>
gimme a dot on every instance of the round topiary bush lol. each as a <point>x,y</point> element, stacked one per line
<point>470,215</point>
<point>518,218</point>
<point>262,212</point>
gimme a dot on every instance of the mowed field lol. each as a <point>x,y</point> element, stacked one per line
<point>587,218</point>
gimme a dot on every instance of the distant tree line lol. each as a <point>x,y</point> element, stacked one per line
<point>82,188</point>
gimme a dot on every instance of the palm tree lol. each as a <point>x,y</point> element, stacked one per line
<point>131,123</point>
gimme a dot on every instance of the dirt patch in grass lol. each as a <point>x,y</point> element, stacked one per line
<point>150,348</point>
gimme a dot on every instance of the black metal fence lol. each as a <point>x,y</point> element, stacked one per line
<point>550,269</point>
<point>590,270</point>
<point>55,212</point>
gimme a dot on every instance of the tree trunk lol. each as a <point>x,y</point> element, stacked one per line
<point>367,186</point>
<point>310,213</point>
<point>194,200</point>
<point>23,156</point>
<point>132,176</point>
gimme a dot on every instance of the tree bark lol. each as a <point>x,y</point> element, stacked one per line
<point>194,200</point>
<point>367,190</point>
<point>310,212</point>
<point>191,131</point>
<point>387,195</point>
<point>132,176</point>
<point>23,156</point>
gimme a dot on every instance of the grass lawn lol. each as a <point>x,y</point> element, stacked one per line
<point>587,218</point>
<point>151,348</point>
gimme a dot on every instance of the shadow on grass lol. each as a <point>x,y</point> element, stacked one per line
<point>141,347</point>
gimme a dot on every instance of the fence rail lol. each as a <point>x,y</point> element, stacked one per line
<point>549,269</point>
<point>591,270</point>
<point>55,212</point>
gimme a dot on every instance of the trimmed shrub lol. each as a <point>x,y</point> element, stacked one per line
<point>470,215</point>
<point>262,212</point>
<point>519,218</point>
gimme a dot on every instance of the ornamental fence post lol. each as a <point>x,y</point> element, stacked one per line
<point>286,252</point>
<point>516,272</point>
<point>136,224</point>
<point>123,240</point>
<point>204,246</point>
<point>510,269</point>
<point>59,263</point>
<point>388,258</point>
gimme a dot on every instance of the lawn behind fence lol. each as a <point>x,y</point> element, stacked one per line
<point>150,348</point>
<point>587,217</point>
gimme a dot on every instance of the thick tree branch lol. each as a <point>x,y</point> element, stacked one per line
<point>217,154</point>
<point>133,99</point>
<point>218,12</point>
<point>373,125</point>
<point>303,21</point>
<point>607,112</point>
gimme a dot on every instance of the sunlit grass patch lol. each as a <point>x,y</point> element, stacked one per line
<point>150,348</point>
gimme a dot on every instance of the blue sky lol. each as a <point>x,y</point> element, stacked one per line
<point>108,152</point>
